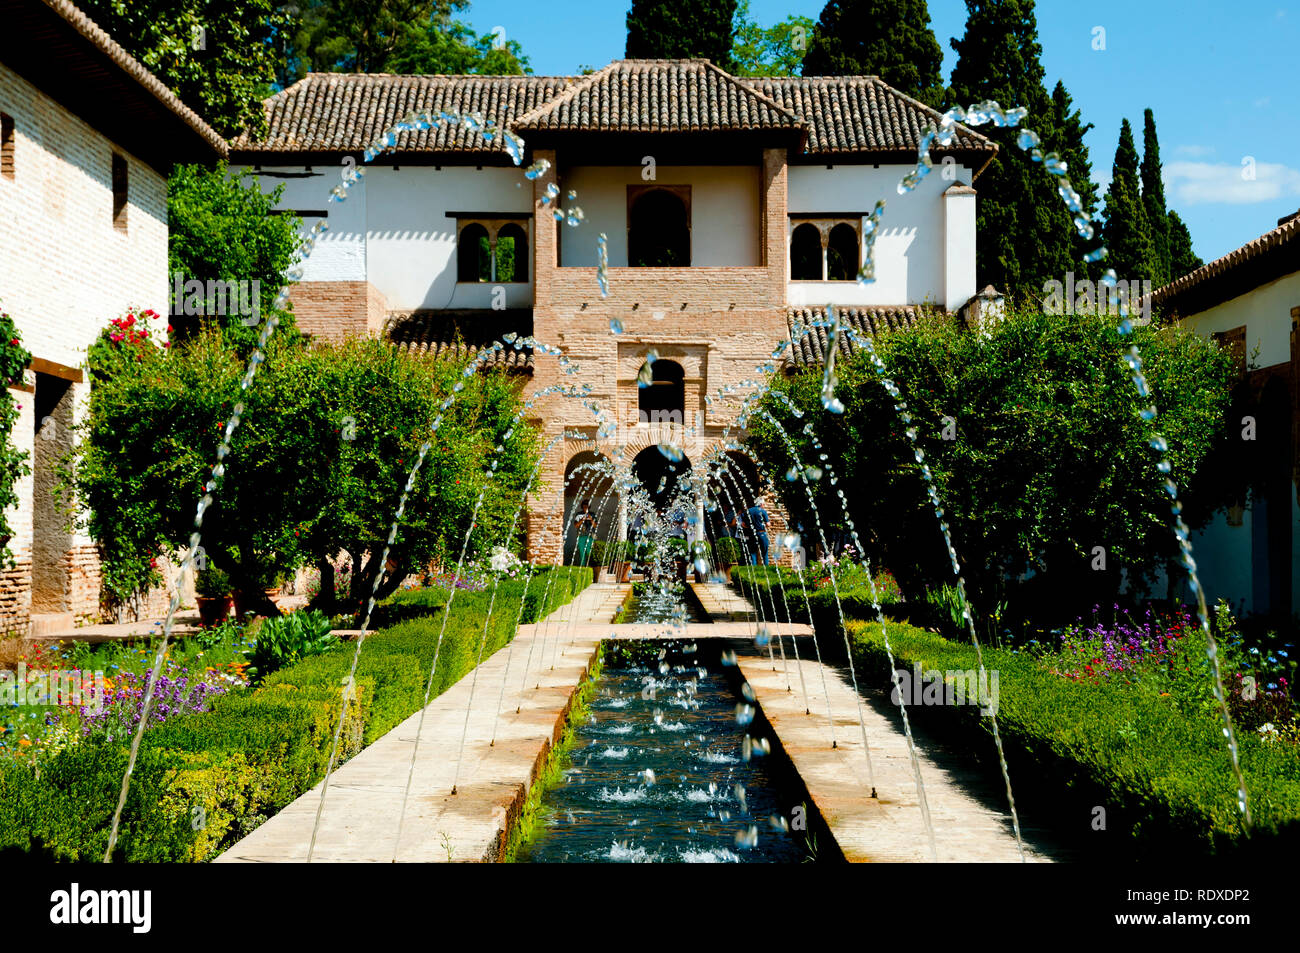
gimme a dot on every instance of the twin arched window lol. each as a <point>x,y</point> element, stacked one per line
<point>492,252</point>
<point>820,251</point>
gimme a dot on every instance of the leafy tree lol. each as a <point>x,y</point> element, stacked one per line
<point>1050,458</point>
<point>1023,229</point>
<point>327,439</point>
<point>392,36</point>
<point>769,51</point>
<point>1127,230</point>
<point>670,29</point>
<point>1068,131</point>
<point>218,56</point>
<point>891,39</point>
<point>1153,200</point>
<point>1181,257</point>
<point>14,359</point>
<point>221,228</point>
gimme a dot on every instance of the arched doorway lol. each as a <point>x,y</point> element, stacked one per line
<point>658,231</point>
<point>659,475</point>
<point>587,480</point>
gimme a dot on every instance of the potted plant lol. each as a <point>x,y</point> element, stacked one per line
<point>726,552</point>
<point>623,560</point>
<point>212,592</point>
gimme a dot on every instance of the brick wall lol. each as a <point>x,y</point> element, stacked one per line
<point>65,271</point>
<point>719,323</point>
<point>334,310</point>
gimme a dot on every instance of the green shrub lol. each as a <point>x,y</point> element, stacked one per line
<point>212,583</point>
<point>289,638</point>
<point>257,750</point>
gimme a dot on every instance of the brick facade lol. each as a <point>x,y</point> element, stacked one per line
<point>335,310</point>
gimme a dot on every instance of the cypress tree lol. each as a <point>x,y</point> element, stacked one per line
<point>1181,257</point>
<point>1127,231</point>
<point>1070,130</point>
<point>672,29</point>
<point>1153,200</point>
<point>891,39</point>
<point>1024,231</point>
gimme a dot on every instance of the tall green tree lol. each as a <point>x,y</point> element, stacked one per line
<point>671,29</point>
<point>1024,231</point>
<point>777,50</point>
<point>1153,200</point>
<point>1181,257</point>
<point>1069,130</point>
<point>1127,231</point>
<point>218,56</point>
<point>891,39</point>
<point>392,36</point>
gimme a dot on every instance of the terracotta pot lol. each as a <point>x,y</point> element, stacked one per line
<point>212,609</point>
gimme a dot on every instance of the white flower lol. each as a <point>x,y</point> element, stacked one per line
<point>503,560</point>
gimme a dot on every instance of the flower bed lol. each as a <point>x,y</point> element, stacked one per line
<point>206,779</point>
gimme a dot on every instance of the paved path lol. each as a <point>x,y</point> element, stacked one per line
<point>890,827</point>
<point>359,822</point>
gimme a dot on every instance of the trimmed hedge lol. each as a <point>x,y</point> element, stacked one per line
<point>1157,762</point>
<point>204,781</point>
<point>855,598</point>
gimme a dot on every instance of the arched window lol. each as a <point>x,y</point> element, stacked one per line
<point>658,233</point>
<point>512,254</point>
<point>842,253</point>
<point>473,254</point>
<point>806,253</point>
<point>664,400</point>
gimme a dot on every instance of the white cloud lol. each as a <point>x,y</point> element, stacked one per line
<point>1198,183</point>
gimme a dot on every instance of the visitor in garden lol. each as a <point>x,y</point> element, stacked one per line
<point>756,520</point>
<point>585,524</point>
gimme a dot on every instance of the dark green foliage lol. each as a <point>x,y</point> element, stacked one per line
<point>1023,229</point>
<point>891,39</point>
<point>1181,257</point>
<point>225,79</point>
<point>256,750</point>
<point>1068,130</point>
<point>1128,229</point>
<point>1050,458</point>
<point>1153,200</point>
<point>666,29</point>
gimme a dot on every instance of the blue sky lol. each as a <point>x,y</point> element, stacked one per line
<point>1218,74</point>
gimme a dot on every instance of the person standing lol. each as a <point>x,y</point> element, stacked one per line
<point>585,524</point>
<point>757,520</point>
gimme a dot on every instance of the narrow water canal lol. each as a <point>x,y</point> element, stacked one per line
<point>658,771</point>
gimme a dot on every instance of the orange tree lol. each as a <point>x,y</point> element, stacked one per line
<point>327,438</point>
<point>1031,428</point>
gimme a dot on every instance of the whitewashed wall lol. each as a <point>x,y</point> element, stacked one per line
<point>909,252</point>
<point>1266,313</point>
<point>724,212</point>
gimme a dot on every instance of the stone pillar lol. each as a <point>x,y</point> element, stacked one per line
<point>546,238</point>
<point>775,223</point>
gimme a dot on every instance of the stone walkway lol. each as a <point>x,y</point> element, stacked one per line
<point>889,828</point>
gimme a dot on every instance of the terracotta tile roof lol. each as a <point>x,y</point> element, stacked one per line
<point>659,96</point>
<point>17,19</point>
<point>340,112</point>
<point>344,112</point>
<point>859,113</point>
<point>459,335</point>
<point>808,345</point>
<point>1273,254</point>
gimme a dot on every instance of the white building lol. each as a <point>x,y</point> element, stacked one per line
<point>1250,301</point>
<point>87,136</point>
<point>733,207</point>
